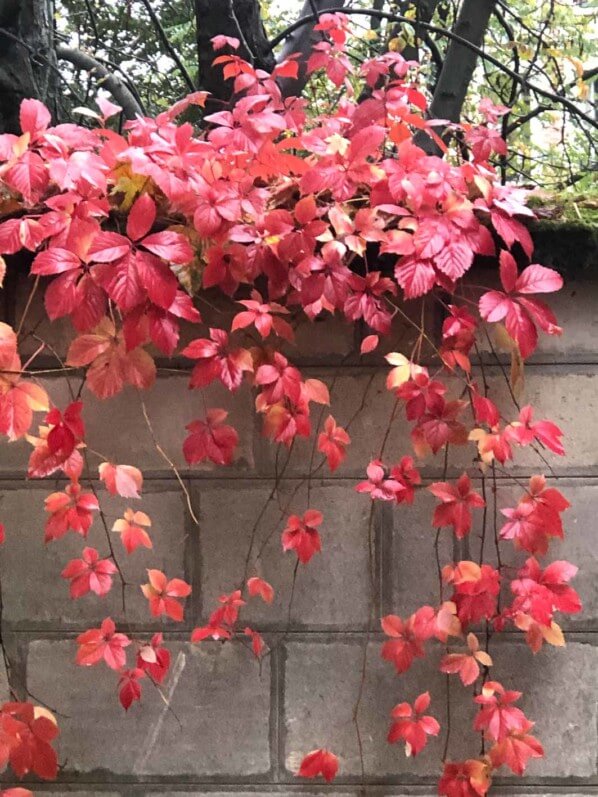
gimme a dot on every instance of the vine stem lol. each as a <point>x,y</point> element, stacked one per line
<point>372,604</point>
<point>274,490</point>
<point>168,460</point>
<point>313,473</point>
<point>123,581</point>
<point>28,305</point>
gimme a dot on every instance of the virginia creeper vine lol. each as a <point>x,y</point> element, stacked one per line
<point>289,215</point>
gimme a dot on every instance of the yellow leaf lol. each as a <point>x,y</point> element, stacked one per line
<point>505,342</point>
<point>129,184</point>
<point>397,44</point>
<point>40,711</point>
<point>517,377</point>
<point>483,658</point>
<point>554,635</point>
<point>577,63</point>
<point>583,90</point>
<point>502,339</point>
<point>400,373</point>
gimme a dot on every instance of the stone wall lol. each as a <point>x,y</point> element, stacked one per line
<point>231,729</point>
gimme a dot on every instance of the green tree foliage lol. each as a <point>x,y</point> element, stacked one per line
<point>529,47</point>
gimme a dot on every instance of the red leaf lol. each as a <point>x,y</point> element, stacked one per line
<point>17,406</point>
<point>157,279</point>
<point>108,247</point>
<point>34,117</point>
<point>89,574</point>
<point>538,279</point>
<point>515,750</point>
<point>211,439</point>
<point>132,533</point>
<point>54,261</point>
<point>154,658</point>
<point>129,687</point>
<point>257,586</point>
<point>141,217</point>
<point>301,535</point>
<point>26,732</point>
<point>102,644</point>
<point>369,344</point>
<point>413,727</point>
<point>171,246</point>
<point>28,176</point>
<point>111,366</point>
<point>319,762</point>
<point>162,594</point>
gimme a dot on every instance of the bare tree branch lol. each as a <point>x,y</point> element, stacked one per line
<point>106,79</point>
<point>557,99</point>
<point>168,46</point>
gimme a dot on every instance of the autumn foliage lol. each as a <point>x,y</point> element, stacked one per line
<point>290,215</point>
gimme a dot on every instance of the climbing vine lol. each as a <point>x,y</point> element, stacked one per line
<point>291,214</point>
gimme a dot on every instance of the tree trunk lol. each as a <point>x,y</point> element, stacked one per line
<point>458,67</point>
<point>27,60</point>
<point>302,41</point>
<point>240,19</point>
<point>425,12</point>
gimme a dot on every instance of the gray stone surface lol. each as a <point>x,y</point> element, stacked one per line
<point>215,692</point>
<point>275,791</point>
<point>170,406</point>
<point>287,791</point>
<point>358,399</point>
<point>560,694</point>
<point>557,393</point>
<point>80,793</point>
<point>323,341</point>
<point>117,430</point>
<point>223,703</point>
<point>296,789</point>
<point>35,596</point>
<point>415,582</point>
<point>333,589</point>
<point>322,684</point>
<point>575,308</point>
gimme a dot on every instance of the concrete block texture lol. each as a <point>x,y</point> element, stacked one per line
<point>323,683</point>
<point>360,400</point>
<point>286,791</point>
<point>214,719</point>
<point>223,726</point>
<point>35,596</point>
<point>415,581</point>
<point>117,430</point>
<point>244,525</point>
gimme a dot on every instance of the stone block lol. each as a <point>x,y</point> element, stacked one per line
<point>333,589</point>
<point>323,682</point>
<point>116,427</point>
<point>215,692</point>
<point>35,596</point>
<point>411,568</point>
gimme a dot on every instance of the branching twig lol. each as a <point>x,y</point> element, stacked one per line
<point>168,46</point>
<point>106,79</point>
